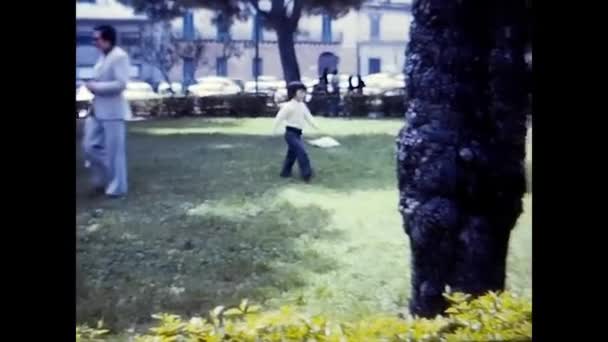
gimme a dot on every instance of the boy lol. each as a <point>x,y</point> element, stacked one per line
<point>296,115</point>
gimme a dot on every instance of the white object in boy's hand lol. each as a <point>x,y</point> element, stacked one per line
<point>324,142</point>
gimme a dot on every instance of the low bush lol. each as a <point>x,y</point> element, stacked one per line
<point>241,105</point>
<point>251,105</point>
<point>492,317</point>
<point>393,106</point>
<point>356,105</point>
<point>150,107</point>
<point>179,106</point>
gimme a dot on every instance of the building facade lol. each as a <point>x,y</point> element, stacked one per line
<point>129,26</point>
<point>370,40</point>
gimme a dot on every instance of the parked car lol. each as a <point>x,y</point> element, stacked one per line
<point>164,88</point>
<point>266,84</point>
<point>240,83</point>
<point>382,83</point>
<point>139,91</point>
<point>214,85</point>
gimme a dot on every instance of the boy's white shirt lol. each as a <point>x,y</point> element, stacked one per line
<point>295,114</point>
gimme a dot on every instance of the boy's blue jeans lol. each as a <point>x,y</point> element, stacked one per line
<point>296,151</point>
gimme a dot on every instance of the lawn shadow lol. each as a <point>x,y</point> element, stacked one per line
<point>202,225</point>
<point>187,261</point>
<point>186,240</point>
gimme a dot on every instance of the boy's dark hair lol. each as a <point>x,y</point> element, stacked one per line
<point>107,32</point>
<point>293,87</point>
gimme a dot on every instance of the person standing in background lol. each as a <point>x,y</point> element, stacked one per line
<point>104,140</point>
<point>334,95</point>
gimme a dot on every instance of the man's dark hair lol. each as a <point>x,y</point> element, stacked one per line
<point>107,32</point>
<point>293,87</point>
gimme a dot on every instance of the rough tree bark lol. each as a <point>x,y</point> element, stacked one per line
<point>460,158</point>
<point>285,24</point>
<point>287,52</point>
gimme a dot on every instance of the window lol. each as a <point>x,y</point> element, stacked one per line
<point>374,66</point>
<point>257,66</point>
<point>83,38</point>
<point>326,33</point>
<point>374,26</point>
<point>223,28</point>
<point>130,39</point>
<point>221,66</point>
<point>258,28</point>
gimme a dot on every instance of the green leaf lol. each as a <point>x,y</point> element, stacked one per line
<point>244,305</point>
<point>217,311</point>
<point>233,312</point>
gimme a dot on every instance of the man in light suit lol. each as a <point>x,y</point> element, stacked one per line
<point>104,140</point>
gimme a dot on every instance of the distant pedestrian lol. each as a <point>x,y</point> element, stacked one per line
<point>104,140</point>
<point>334,98</point>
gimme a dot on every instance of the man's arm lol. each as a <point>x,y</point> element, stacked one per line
<point>120,69</point>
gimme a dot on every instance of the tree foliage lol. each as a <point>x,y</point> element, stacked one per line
<point>282,17</point>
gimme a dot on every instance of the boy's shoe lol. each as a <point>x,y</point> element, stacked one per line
<point>307,179</point>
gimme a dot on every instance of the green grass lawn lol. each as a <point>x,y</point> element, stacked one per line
<point>208,222</point>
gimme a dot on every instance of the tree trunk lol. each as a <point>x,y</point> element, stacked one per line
<point>460,160</point>
<point>287,52</point>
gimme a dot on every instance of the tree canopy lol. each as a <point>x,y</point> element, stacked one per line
<point>283,17</point>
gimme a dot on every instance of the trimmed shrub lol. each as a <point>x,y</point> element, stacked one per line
<point>241,105</point>
<point>357,105</point>
<point>393,106</point>
<point>319,104</point>
<point>177,106</point>
<point>150,107</point>
<point>262,105</point>
<point>492,317</point>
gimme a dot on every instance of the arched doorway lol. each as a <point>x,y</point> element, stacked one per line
<point>327,60</point>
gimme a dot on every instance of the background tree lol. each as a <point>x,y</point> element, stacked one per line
<point>461,156</point>
<point>282,17</point>
<point>161,46</point>
<point>230,48</point>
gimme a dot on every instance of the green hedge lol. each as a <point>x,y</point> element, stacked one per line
<point>357,105</point>
<point>393,106</point>
<point>492,317</point>
<point>242,105</point>
<point>251,105</point>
